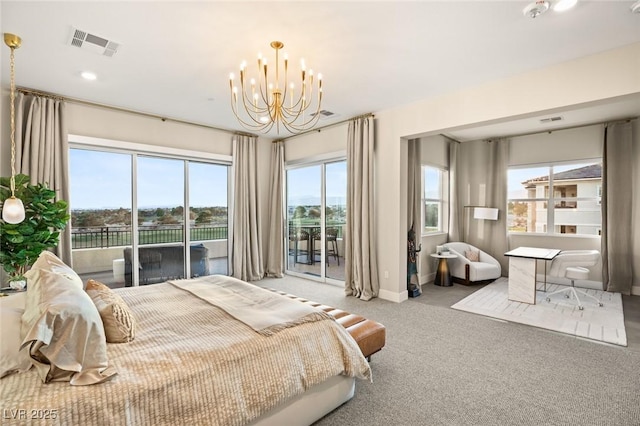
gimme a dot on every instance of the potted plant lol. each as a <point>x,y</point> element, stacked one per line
<point>22,243</point>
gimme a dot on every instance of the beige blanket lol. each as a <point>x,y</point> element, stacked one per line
<point>190,363</point>
<point>263,310</point>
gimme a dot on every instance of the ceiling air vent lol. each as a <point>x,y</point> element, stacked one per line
<point>94,43</point>
<point>323,114</point>
<point>550,119</point>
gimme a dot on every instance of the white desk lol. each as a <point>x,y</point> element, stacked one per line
<point>523,268</point>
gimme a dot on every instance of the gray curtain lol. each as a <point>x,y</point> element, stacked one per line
<point>275,232</point>
<point>497,245</point>
<point>42,151</point>
<point>454,204</point>
<point>246,242</point>
<point>361,273</point>
<point>414,184</point>
<point>618,191</point>
<point>485,184</point>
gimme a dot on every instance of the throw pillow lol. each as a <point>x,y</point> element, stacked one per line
<point>472,255</point>
<point>12,360</point>
<point>61,326</point>
<point>119,322</point>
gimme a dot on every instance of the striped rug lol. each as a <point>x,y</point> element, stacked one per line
<point>605,324</point>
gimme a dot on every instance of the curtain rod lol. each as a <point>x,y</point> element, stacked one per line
<point>599,123</point>
<point>27,91</point>
<point>319,129</point>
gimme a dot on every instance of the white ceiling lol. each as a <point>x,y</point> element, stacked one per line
<point>175,57</point>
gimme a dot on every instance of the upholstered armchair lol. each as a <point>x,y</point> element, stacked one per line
<point>472,265</point>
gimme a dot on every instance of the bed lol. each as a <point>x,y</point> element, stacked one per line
<point>193,363</point>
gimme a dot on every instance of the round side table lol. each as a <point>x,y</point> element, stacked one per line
<point>443,277</point>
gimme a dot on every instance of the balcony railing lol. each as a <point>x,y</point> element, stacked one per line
<point>118,236</point>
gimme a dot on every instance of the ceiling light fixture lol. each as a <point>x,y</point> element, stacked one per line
<point>562,5</point>
<point>270,100</point>
<point>88,75</point>
<point>12,208</point>
<point>635,8</point>
<point>535,9</point>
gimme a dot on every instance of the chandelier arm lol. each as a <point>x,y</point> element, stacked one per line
<point>249,107</point>
<point>308,123</point>
<point>259,126</point>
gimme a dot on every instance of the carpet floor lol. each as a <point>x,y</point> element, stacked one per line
<point>603,323</point>
<point>442,366</point>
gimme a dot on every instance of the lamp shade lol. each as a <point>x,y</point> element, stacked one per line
<point>487,213</point>
<point>13,210</point>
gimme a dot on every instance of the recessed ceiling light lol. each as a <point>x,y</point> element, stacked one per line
<point>535,9</point>
<point>87,75</point>
<point>563,5</point>
<point>264,119</point>
<point>635,8</point>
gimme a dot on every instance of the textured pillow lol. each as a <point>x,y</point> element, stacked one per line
<point>12,360</point>
<point>472,255</point>
<point>61,326</point>
<point>119,322</point>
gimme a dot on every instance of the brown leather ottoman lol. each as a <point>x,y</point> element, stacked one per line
<point>370,335</point>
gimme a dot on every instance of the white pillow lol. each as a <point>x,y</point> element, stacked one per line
<point>61,326</point>
<point>12,360</point>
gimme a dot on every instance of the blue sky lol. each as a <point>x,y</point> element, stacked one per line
<point>101,180</point>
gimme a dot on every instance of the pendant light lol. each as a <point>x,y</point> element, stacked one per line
<point>12,208</point>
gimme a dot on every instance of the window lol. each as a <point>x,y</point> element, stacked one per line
<point>559,198</point>
<point>434,199</point>
<point>124,201</point>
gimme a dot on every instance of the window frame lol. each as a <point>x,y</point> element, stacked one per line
<point>442,201</point>
<point>136,150</point>
<point>551,200</point>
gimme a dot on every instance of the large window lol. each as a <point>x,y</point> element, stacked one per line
<point>434,199</point>
<point>560,198</point>
<point>156,205</point>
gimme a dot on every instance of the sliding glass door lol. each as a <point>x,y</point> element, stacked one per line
<point>208,218</point>
<point>125,203</point>
<point>316,215</point>
<point>161,224</point>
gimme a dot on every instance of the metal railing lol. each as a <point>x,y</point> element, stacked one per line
<point>118,236</point>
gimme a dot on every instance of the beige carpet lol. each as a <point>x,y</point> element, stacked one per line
<point>604,323</point>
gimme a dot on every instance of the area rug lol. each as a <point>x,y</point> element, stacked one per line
<point>605,324</point>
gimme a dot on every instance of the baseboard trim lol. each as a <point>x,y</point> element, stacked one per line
<point>393,296</point>
<point>635,290</point>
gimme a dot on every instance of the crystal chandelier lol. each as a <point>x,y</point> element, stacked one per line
<point>268,100</point>
<point>12,208</point>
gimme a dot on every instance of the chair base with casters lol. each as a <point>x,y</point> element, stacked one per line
<point>575,273</point>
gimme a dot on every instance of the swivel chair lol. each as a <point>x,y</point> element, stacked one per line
<point>572,264</point>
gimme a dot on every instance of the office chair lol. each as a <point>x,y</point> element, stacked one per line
<point>572,264</point>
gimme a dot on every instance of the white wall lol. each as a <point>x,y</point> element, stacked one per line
<point>560,145</point>
<point>317,142</point>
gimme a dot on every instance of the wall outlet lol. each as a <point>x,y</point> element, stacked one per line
<point>386,274</point>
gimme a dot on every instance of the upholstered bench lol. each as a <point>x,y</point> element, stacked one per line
<point>370,335</point>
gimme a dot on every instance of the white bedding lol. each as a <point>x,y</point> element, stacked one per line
<point>191,363</point>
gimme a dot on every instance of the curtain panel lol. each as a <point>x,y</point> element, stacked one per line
<point>276,230</point>
<point>618,191</point>
<point>361,273</point>
<point>42,151</point>
<point>414,184</point>
<point>246,242</point>
<point>454,197</point>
